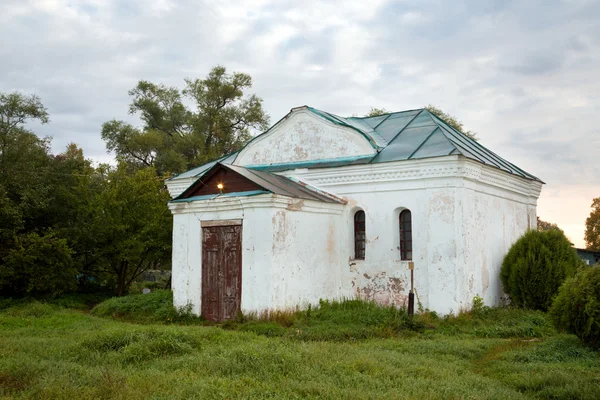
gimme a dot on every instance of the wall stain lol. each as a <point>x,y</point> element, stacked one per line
<point>382,289</point>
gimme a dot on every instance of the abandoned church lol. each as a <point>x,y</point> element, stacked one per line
<point>325,207</point>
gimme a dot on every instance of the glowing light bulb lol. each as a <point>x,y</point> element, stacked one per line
<point>220,186</point>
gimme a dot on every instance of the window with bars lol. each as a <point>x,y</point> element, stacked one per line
<point>359,235</point>
<point>405,235</point>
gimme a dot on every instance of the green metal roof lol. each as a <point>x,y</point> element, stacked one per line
<point>404,135</point>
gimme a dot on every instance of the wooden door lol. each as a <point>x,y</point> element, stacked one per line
<point>221,271</point>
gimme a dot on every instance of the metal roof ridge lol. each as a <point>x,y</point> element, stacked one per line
<point>481,148</point>
<point>406,126</point>
<point>424,141</point>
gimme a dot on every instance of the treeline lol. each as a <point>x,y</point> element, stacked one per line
<point>67,224</point>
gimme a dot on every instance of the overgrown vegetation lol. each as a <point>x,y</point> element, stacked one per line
<point>347,320</point>
<point>576,309</point>
<point>535,267</point>
<point>53,352</point>
<point>154,307</point>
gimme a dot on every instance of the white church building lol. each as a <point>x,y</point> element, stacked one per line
<point>325,207</point>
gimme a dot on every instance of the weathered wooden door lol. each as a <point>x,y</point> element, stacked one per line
<point>221,271</point>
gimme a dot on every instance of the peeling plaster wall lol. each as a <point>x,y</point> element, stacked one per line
<point>290,250</point>
<point>306,257</point>
<point>382,276</point>
<point>492,222</point>
<point>256,254</point>
<point>465,217</point>
<point>304,137</point>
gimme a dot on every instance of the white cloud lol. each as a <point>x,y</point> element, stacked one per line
<point>521,74</point>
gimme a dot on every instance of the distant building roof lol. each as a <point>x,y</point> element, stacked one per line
<point>591,257</point>
<point>404,135</point>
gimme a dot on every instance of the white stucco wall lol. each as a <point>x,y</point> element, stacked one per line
<point>273,229</point>
<point>465,217</point>
<point>303,136</point>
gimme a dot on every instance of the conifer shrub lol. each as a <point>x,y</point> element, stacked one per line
<point>535,268</point>
<point>576,309</point>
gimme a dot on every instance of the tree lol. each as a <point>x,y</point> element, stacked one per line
<point>544,226</point>
<point>24,168</point>
<point>535,267</point>
<point>447,118</point>
<point>592,227</point>
<point>374,112</point>
<point>38,265</point>
<point>129,223</point>
<point>174,138</point>
<point>576,309</point>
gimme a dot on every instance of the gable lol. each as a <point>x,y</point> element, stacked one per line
<point>303,136</point>
<point>232,183</point>
<point>229,180</point>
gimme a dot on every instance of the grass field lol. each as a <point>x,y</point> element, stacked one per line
<point>350,350</point>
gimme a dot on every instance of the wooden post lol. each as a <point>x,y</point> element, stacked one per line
<point>411,294</point>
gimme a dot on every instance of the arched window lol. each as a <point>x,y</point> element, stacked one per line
<point>405,235</point>
<point>359,235</point>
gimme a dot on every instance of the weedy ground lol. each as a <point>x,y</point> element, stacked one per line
<point>138,347</point>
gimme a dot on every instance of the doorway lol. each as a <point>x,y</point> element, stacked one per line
<point>221,269</point>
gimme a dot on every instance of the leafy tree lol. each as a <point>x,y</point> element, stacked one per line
<point>535,267</point>
<point>543,226</point>
<point>173,137</point>
<point>447,118</point>
<point>374,112</point>
<point>38,265</point>
<point>576,309</point>
<point>592,227</point>
<point>24,168</point>
<point>129,225</point>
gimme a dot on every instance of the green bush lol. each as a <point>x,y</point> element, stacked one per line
<point>576,309</point>
<point>38,265</point>
<point>154,307</point>
<point>535,267</point>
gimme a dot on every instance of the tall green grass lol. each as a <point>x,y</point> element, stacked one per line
<point>154,307</point>
<point>50,352</point>
<point>344,320</point>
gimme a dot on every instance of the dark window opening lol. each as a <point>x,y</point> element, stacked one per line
<point>359,235</point>
<point>405,235</point>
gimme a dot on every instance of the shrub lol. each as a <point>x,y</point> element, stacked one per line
<point>38,265</point>
<point>153,307</point>
<point>535,267</point>
<point>576,309</point>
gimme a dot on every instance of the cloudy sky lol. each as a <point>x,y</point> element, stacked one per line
<point>525,75</point>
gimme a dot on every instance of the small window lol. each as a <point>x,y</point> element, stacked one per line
<point>405,235</point>
<point>359,235</point>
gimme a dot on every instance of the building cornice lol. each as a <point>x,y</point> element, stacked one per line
<point>259,201</point>
<point>419,170</point>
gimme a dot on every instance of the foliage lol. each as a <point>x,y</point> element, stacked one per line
<point>576,309</point>
<point>374,112</point>
<point>592,227</point>
<point>105,225</point>
<point>450,120</point>
<point>38,265</point>
<point>131,225</point>
<point>543,226</point>
<point>535,267</point>
<point>154,307</point>
<point>173,137</point>
<point>58,353</point>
